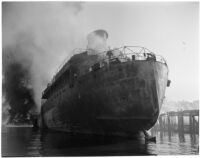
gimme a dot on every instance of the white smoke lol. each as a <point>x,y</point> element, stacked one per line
<point>97,41</point>
<point>42,34</point>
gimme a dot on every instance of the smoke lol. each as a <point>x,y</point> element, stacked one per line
<point>97,41</point>
<point>17,88</point>
<point>37,37</point>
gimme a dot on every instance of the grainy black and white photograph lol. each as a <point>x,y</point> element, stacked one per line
<point>100,78</point>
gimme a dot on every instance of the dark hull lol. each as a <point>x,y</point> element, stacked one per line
<point>123,98</point>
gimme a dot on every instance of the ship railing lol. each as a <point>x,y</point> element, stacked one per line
<point>123,54</point>
<point>127,53</point>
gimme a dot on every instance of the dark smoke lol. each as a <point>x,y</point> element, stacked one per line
<point>36,38</point>
<point>17,87</point>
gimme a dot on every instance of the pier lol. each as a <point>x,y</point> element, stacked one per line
<point>186,121</point>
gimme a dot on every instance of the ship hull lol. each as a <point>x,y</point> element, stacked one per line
<point>122,98</point>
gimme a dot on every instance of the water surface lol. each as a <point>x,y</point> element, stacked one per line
<point>25,141</point>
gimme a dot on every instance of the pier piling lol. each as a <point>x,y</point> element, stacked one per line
<point>174,122</point>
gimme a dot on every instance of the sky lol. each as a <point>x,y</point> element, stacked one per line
<point>46,33</point>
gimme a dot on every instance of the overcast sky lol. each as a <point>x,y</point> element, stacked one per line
<point>169,29</point>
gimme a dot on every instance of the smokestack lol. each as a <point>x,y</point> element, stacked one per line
<point>97,41</point>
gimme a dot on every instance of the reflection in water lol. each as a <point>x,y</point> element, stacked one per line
<point>64,144</point>
<point>29,142</point>
<point>177,143</point>
<point>181,137</point>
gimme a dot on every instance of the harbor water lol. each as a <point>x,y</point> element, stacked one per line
<point>25,141</point>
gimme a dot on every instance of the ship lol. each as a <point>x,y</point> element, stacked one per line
<point>106,91</point>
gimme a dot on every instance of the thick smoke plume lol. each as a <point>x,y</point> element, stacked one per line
<point>37,37</point>
<point>17,89</point>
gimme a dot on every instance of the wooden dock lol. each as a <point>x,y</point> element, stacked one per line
<point>186,121</point>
